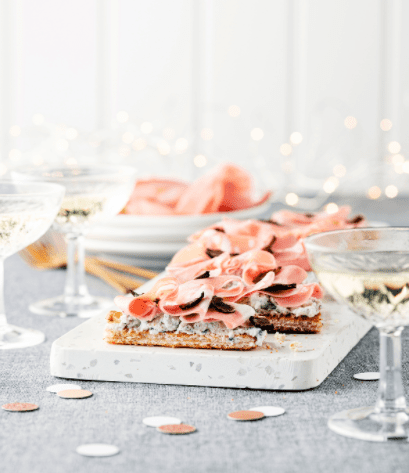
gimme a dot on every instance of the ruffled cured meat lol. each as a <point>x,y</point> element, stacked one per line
<point>240,236</point>
<point>300,296</point>
<point>226,188</point>
<point>155,197</point>
<point>184,273</point>
<point>140,307</point>
<point>304,224</point>
<point>190,301</point>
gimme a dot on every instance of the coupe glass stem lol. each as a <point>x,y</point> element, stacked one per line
<point>391,398</point>
<point>75,287</point>
<point>3,318</point>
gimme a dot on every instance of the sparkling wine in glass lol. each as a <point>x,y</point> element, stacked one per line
<point>26,212</point>
<point>368,269</point>
<point>92,193</point>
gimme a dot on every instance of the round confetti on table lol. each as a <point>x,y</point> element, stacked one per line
<point>245,415</point>
<point>269,411</point>
<point>97,450</point>
<point>20,407</point>
<point>56,388</point>
<point>176,429</point>
<point>370,376</point>
<point>74,394</point>
<point>157,421</point>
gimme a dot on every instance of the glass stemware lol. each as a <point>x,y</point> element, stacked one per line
<point>26,212</point>
<point>92,193</point>
<point>368,269</point>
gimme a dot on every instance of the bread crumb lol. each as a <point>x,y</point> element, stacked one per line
<point>280,337</point>
<point>295,346</point>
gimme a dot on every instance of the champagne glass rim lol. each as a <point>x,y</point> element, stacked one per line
<point>56,173</point>
<point>44,188</point>
<point>312,243</point>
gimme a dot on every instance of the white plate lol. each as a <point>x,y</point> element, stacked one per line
<point>166,228</point>
<point>143,250</point>
<point>150,247</point>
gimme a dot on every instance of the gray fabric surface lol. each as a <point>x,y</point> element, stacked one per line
<point>45,440</point>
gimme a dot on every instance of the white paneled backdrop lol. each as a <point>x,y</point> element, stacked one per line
<point>311,95</point>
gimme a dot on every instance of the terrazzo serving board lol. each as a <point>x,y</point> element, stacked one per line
<point>299,362</point>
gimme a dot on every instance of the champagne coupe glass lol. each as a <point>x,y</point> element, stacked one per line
<point>26,212</point>
<point>92,193</point>
<point>368,269</point>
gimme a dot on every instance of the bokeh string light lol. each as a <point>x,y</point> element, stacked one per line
<point>134,141</point>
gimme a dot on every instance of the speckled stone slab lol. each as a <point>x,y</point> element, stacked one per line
<point>299,362</point>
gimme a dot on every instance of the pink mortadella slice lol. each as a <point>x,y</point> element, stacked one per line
<point>155,197</point>
<point>165,287</point>
<point>226,286</point>
<point>232,320</point>
<point>290,275</point>
<point>184,302</point>
<point>190,254</point>
<point>203,196</point>
<point>304,294</point>
<point>138,307</point>
<point>256,264</point>
<point>147,207</point>
<point>188,273</point>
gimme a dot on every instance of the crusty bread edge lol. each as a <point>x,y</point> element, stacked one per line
<point>287,323</point>
<point>175,340</point>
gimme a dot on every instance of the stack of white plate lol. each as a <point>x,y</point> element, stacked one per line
<point>153,240</point>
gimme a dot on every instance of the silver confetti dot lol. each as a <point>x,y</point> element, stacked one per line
<point>370,376</point>
<point>158,421</point>
<point>55,388</point>
<point>269,411</point>
<point>97,450</point>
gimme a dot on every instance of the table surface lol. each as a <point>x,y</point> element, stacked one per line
<point>45,440</point>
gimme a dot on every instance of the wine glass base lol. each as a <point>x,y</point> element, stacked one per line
<point>364,424</point>
<point>84,308</point>
<point>17,337</point>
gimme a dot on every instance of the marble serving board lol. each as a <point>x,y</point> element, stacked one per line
<point>297,363</point>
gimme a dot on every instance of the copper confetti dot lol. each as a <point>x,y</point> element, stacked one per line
<point>245,415</point>
<point>20,407</point>
<point>74,394</point>
<point>177,429</point>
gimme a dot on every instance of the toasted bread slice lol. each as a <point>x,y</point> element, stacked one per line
<point>288,323</point>
<point>225,340</point>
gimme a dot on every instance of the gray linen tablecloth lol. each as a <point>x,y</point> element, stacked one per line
<point>45,440</point>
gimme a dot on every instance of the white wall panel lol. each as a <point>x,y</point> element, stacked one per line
<point>59,61</point>
<point>154,75</point>
<point>289,65</point>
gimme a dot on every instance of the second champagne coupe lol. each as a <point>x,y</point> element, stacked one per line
<point>92,193</point>
<point>368,269</point>
<point>26,212</point>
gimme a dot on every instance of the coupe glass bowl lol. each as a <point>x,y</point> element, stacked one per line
<point>368,269</point>
<point>93,193</point>
<point>26,212</point>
